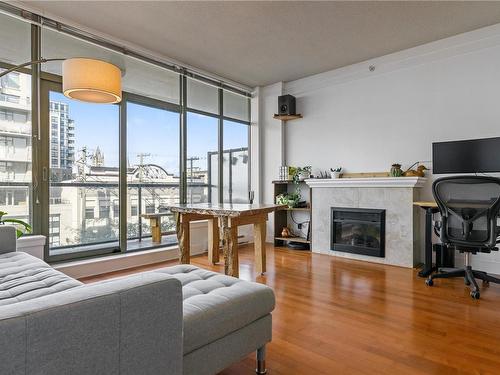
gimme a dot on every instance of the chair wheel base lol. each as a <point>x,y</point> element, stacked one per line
<point>475,294</point>
<point>429,282</point>
<point>261,368</point>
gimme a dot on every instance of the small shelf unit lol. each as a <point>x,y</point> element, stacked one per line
<point>292,239</point>
<point>295,209</point>
<point>281,216</point>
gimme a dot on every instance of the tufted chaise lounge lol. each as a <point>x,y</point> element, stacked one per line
<point>224,318</point>
<point>176,320</point>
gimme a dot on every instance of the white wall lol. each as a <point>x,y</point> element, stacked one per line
<point>270,149</point>
<point>364,121</point>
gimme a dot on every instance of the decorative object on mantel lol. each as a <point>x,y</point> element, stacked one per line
<point>335,172</point>
<point>396,170</point>
<point>420,172</point>
<point>323,175</point>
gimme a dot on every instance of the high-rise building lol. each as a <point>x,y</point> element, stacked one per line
<point>62,139</point>
<point>15,144</point>
<point>15,128</point>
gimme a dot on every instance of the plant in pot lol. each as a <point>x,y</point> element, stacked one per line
<point>335,172</point>
<point>282,199</point>
<point>21,226</point>
<point>302,173</point>
<point>293,199</point>
<point>289,199</point>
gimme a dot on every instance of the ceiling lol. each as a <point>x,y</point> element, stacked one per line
<point>258,43</point>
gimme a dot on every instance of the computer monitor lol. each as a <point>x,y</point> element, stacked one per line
<point>468,156</point>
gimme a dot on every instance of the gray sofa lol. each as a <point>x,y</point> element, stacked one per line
<point>176,320</point>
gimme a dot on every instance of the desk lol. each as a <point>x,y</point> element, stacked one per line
<point>430,208</point>
<point>227,217</point>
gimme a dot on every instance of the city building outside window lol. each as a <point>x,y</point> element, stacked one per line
<point>11,81</point>
<point>89,213</point>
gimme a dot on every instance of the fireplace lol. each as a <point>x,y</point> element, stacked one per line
<point>358,231</point>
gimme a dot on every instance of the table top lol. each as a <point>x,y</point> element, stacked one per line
<point>425,204</point>
<point>455,204</point>
<point>223,209</point>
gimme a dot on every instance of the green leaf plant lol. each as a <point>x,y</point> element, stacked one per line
<point>25,227</point>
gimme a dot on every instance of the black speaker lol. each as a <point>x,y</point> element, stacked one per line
<point>286,105</point>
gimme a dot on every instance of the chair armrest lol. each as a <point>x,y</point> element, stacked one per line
<point>8,239</point>
<point>123,326</point>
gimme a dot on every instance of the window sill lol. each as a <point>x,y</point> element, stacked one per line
<point>97,266</point>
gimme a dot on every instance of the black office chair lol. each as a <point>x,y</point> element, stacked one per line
<point>469,207</point>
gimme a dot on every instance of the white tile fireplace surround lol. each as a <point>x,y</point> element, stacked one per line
<point>393,194</point>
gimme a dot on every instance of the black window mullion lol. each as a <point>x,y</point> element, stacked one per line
<point>221,148</point>
<point>183,140</point>
<point>122,178</point>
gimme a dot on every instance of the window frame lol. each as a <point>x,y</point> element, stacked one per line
<point>42,83</point>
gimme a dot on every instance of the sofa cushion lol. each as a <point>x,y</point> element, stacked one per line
<point>24,277</point>
<point>216,305</point>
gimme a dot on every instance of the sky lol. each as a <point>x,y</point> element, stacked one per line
<point>149,130</point>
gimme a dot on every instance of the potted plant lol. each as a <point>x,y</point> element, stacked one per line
<point>302,173</point>
<point>293,199</point>
<point>21,226</point>
<point>282,199</point>
<point>336,172</point>
<point>33,245</point>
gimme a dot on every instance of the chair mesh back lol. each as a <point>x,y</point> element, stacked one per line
<point>469,204</point>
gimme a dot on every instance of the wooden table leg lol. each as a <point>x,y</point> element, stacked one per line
<point>213,240</point>
<point>259,230</point>
<point>183,238</point>
<point>155,223</point>
<point>230,232</point>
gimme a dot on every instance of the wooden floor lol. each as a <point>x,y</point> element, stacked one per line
<point>336,316</point>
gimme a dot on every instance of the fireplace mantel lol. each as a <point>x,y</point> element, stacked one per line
<point>371,182</point>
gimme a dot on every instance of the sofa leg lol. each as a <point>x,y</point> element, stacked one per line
<point>261,361</point>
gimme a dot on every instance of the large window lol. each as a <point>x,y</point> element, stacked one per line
<point>153,167</point>
<point>86,173</point>
<point>202,151</point>
<point>84,161</point>
<point>236,162</point>
<point>15,122</point>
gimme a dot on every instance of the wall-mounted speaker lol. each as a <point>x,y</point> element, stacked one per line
<point>286,105</point>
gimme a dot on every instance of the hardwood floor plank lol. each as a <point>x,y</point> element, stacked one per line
<point>339,316</point>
